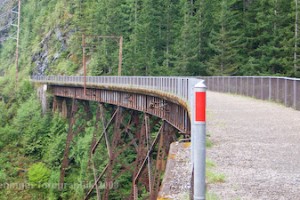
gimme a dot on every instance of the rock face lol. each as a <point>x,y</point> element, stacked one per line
<point>43,59</point>
<point>178,175</point>
<point>7,17</point>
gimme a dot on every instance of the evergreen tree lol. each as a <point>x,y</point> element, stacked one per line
<point>295,14</point>
<point>226,40</point>
<point>269,34</point>
<point>189,50</point>
<point>148,32</point>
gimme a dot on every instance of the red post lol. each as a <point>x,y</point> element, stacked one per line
<point>200,112</point>
<point>199,139</point>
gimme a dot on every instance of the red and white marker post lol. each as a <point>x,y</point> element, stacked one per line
<point>199,139</point>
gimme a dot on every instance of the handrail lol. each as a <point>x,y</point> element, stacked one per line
<point>179,86</point>
<point>283,90</point>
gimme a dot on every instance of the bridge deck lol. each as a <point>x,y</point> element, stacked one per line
<point>256,146</point>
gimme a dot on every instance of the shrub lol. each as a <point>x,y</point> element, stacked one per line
<point>38,174</point>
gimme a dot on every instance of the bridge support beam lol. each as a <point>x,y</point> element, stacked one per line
<point>60,105</point>
<point>72,112</point>
<point>128,131</point>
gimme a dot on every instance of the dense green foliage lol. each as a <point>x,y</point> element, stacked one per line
<point>161,37</point>
<point>199,37</point>
<point>38,174</point>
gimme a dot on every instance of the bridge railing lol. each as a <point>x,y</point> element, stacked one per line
<point>179,86</point>
<point>189,89</point>
<point>279,89</point>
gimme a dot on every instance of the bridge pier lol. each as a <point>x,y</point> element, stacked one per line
<point>61,105</point>
<point>128,131</point>
<point>72,107</point>
<point>42,95</point>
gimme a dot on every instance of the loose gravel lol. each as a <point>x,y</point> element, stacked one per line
<point>256,145</point>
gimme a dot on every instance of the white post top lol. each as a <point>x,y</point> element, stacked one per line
<point>201,85</point>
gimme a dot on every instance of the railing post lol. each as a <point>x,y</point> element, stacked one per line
<point>240,91</point>
<point>228,84</point>
<point>223,82</point>
<point>198,139</point>
<point>219,85</point>
<point>277,89</point>
<point>261,88</point>
<point>253,89</point>
<point>270,88</point>
<point>295,94</point>
<point>285,92</point>
<point>247,86</point>
<point>236,85</point>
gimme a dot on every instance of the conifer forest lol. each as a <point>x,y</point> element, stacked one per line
<point>160,38</point>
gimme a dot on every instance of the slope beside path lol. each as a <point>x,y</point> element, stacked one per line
<point>256,145</point>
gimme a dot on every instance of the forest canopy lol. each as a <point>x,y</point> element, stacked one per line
<point>161,38</point>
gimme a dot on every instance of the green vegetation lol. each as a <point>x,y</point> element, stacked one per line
<point>161,37</point>
<point>211,196</point>
<point>201,37</point>
<point>211,175</point>
<point>214,177</point>
<point>209,142</point>
<point>38,174</point>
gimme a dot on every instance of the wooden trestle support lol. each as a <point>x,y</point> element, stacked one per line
<point>126,144</point>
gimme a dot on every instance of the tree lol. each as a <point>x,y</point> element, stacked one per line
<point>191,49</point>
<point>3,114</point>
<point>226,40</point>
<point>296,70</point>
<point>270,34</point>
<point>31,126</point>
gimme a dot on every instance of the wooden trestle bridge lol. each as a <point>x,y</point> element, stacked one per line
<point>135,115</point>
<point>142,116</point>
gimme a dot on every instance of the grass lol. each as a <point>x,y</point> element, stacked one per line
<point>209,164</point>
<point>211,175</point>
<point>211,196</point>
<point>214,177</point>
<point>209,143</point>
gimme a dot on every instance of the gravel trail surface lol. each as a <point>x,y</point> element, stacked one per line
<point>256,145</point>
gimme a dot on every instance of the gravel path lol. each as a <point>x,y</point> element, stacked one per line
<point>256,146</point>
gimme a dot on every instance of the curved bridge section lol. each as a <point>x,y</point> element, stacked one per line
<point>140,115</point>
<point>164,97</point>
